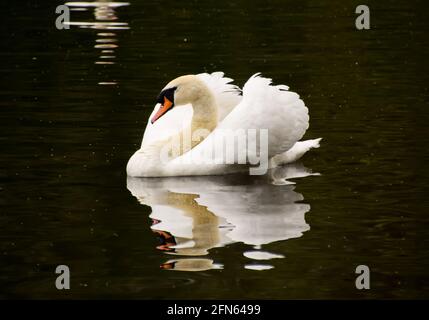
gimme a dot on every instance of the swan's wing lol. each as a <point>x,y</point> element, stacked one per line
<point>227,95</point>
<point>263,106</point>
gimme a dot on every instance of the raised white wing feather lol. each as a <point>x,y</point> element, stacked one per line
<point>227,95</point>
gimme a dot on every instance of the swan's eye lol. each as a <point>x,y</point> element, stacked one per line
<point>167,93</point>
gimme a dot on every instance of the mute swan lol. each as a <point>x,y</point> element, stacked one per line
<point>194,113</point>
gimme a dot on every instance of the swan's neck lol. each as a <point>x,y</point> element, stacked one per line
<point>204,121</point>
<point>204,118</point>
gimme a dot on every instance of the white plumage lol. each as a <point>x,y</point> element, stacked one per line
<point>262,106</point>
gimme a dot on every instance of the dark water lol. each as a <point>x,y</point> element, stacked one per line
<point>70,121</point>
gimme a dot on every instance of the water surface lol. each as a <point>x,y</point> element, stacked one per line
<point>74,104</point>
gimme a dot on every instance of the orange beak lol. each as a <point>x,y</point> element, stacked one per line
<point>162,110</point>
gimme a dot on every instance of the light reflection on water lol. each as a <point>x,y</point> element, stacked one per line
<point>192,215</point>
<point>106,19</point>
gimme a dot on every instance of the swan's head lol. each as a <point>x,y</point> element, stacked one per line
<point>181,91</point>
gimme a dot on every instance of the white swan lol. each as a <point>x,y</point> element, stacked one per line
<point>202,107</point>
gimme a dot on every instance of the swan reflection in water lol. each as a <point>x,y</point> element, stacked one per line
<point>192,215</point>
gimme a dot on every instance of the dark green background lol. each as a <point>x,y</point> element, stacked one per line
<point>65,141</point>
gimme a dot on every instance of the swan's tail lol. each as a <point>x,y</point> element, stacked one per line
<point>294,153</point>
